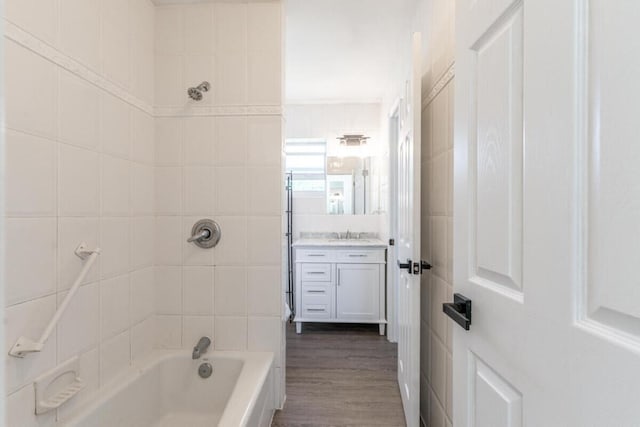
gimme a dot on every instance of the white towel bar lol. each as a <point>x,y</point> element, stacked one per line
<point>25,345</point>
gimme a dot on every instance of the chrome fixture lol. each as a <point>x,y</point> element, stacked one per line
<point>195,93</point>
<point>201,347</point>
<point>205,370</point>
<point>352,140</point>
<point>205,234</point>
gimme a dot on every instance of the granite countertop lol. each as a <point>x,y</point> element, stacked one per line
<point>324,241</point>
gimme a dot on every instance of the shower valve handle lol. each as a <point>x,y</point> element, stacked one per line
<point>204,234</point>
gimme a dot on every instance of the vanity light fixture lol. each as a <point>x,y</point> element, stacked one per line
<point>351,140</point>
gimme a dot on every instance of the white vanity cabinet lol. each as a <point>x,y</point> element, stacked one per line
<point>340,284</point>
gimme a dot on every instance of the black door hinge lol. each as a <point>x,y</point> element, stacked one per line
<point>392,242</point>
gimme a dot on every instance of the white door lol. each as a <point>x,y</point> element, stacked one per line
<point>547,213</point>
<point>358,292</point>
<point>408,243</point>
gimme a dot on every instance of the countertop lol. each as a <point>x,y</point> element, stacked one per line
<point>328,242</point>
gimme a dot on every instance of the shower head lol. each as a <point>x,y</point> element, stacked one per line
<point>195,93</point>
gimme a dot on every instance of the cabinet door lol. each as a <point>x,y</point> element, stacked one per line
<point>358,292</point>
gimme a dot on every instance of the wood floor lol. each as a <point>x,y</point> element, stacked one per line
<point>340,375</point>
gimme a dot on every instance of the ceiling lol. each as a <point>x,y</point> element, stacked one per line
<point>343,50</point>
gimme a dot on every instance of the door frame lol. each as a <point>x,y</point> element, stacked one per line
<point>392,255</point>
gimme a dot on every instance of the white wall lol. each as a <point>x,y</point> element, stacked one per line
<point>79,157</point>
<point>219,158</point>
<point>328,122</point>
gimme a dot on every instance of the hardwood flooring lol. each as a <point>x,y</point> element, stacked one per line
<point>340,375</point>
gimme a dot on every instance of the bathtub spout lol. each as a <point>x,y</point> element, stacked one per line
<point>201,347</point>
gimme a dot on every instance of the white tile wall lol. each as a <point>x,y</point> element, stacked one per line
<point>79,327</point>
<point>79,111</point>
<point>231,141</point>
<point>89,164</point>
<point>80,168</point>
<point>29,277</point>
<point>225,167</point>
<point>78,197</point>
<point>168,292</point>
<point>36,17</point>
<point>231,291</point>
<point>230,332</point>
<point>41,83</point>
<point>437,243</point>
<point>31,175</point>
<point>114,305</point>
<point>80,31</point>
<point>197,291</point>
<point>115,355</point>
<point>199,141</point>
<point>168,331</point>
<point>115,126</point>
<point>116,41</point>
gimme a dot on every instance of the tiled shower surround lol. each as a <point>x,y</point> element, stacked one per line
<point>437,212</point>
<point>104,146</point>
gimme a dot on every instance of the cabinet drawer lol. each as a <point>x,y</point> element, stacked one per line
<point>313,255</point>
<point>316,273</point>
<point>361,256</point>
<point>316,311</point>
<point>316,294</point>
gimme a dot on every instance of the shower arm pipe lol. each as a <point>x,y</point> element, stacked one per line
<point>25,345</point>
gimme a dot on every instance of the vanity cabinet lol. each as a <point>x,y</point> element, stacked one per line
<point>341,285</point>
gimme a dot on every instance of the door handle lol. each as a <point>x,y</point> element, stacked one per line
<point>459,310</point>
<point>406,266</point>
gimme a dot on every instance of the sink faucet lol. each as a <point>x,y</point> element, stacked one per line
<point>201,347</point>
<point>348,234</point>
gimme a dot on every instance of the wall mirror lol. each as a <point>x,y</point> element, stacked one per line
<point>330,178</point>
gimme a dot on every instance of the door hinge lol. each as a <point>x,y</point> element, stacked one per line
<point>392,242</point>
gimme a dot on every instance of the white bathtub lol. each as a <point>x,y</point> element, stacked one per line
<point>164,390</point>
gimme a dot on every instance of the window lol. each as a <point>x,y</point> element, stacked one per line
<point>305,159</point>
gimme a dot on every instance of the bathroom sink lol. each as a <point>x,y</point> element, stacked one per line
<point>350,240</point>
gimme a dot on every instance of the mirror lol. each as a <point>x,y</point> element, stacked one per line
<point>332,184</point>
<point>347,180</point>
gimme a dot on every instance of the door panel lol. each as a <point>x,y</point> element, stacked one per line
<point>498,129</point>
<point>495,402</point>
<point>358,292</point>
<point>613,154</point>
<point>408,242</point>
<point>546,208</point>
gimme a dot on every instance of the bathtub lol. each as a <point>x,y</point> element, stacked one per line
<point>165,390</point>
